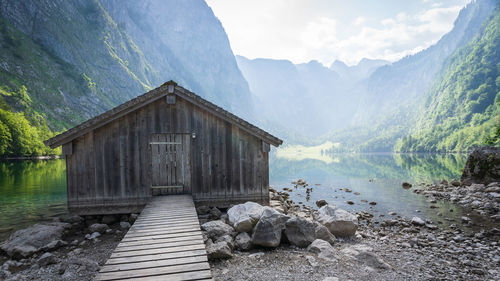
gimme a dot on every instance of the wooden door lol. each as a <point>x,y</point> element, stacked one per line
<point>170,164</point>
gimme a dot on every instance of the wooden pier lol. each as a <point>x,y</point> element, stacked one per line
<point>164,243</point>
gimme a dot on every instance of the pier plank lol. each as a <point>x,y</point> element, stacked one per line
<point>164,243</point>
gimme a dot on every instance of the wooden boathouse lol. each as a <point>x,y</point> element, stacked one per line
<point>166,141</point>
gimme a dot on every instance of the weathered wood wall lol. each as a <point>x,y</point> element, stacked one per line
<point>109,169</point>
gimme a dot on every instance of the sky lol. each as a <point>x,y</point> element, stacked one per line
<point>326,30</point>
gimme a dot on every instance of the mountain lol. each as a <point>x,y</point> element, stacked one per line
<point>405,82</point>
<point>462,108</point>
<point>63,62</point>
<point>358,72</point>
<point>298,97</point>
<point>312,98</point>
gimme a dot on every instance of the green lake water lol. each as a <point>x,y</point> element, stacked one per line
<point>30,191</point>
<point>33,191</point>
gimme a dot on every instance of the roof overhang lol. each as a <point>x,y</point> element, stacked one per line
<point>167,88</point>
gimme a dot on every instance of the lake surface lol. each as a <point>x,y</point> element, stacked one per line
<point>30,191</point>
<point>33,191</point>
<point>370,178</point>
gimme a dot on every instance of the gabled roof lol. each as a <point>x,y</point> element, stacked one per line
<point>149,97</point>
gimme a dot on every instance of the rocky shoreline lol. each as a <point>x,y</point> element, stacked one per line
<point>400,249</point>
<point>69,248</point>
<point>292,243</point>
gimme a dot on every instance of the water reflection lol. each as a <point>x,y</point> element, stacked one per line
<point>372,178</point>
<point>30,191</point>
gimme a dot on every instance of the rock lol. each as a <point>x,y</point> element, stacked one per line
<point>349,202</point>
<point>56,244</point>
<point>124,218</point>
<point>92,236</point>
<point>243,217</point>
<point>109,219</point>
<point>389,223</point>
<point>71,219</point>
<point>124,225</point>
<point>330,279</point>
<point>321,203</point>
<point>312,261</point>
<point>323,249</point>
<point>47,259</point>
<point>202,210</point>
<point>216,229</point>
<point>228,239</point>
<point>406,185</point>
<point>494,188</point>
<point>483,166</point>
<point>215,213</point>
<point>256,255</point>
<point>219,250</point>
<point>417,221</point>
<point>133,217</point>
<point>465,219</point>
<point>25,242</point>
<point>339,222</point>
<point>267,231</point>
<point>98,227</point>
<point>322,232</point>
<point>243,241</point>
<point>372,260</point>
<point>373,203</point>
<point>300,232</point>
<point>455,182</point>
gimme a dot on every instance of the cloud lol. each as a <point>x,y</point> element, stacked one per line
<point>393,39</point>
<point>320,33</point>
<point>299,31</point>
<point>359,21</point>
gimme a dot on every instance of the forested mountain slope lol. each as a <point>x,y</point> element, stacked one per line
<point>462,107</point>
<point>66,61</point>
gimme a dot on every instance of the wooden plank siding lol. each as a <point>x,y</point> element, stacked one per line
<point>110,168</point>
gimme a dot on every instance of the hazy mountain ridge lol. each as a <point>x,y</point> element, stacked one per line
<point>67,61</point>
<point>372,113</point>
<point>306,93</point>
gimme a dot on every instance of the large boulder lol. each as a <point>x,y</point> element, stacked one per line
<point>339,222</point>
<point>244,217</point>
<point>267,231</point>
<point>25,242</point>
<point>322,232</point>
<point>243,241</point>
<point>482,166</point>
<point>218,250</point>
<point>323,249</point>
<point>300,231</point>
<point>216,229</point>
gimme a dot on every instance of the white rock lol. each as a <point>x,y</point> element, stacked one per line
<point>25,242</point>
<point>324,250</point>
<point>216,229</point>
<point>417,221</point>
<point>340,222</point>
<point>244,217</point>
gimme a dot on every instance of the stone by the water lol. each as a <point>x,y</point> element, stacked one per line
<point>339,222</point>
